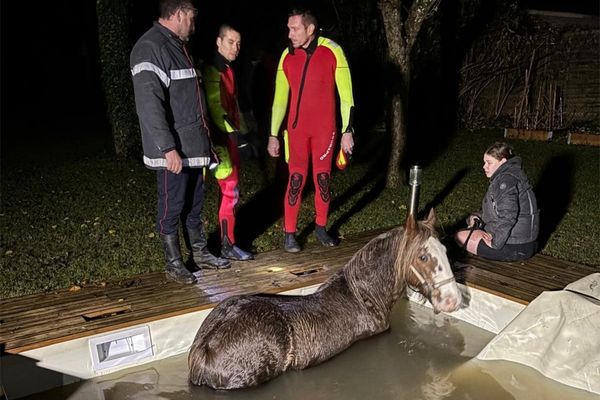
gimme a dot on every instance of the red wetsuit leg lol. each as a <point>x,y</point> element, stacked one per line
<point>322,148</point>
<point>229,193</point>
<point>298,167</point>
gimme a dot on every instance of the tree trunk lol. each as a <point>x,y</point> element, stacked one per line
<point>113,40</point>
<point>402,25</point>
<point>397,128</point>
<point>399,77</point>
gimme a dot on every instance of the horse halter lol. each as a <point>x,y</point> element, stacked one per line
<point>430,286</point>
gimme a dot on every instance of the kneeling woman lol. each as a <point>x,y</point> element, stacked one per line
<point>506,229</point>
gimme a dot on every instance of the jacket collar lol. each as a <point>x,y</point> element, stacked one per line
<point>220,62</point>
<point>167,32</point>
<point>512,165</point>
<point>310,49</point>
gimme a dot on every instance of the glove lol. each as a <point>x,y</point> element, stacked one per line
<point>225,168</point>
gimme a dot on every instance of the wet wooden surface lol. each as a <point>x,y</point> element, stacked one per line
<point>39,320</point>
<point>520,281</point>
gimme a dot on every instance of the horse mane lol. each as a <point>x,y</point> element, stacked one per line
<point>378,273</point>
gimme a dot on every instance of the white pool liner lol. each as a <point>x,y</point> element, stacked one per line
<point>558,334</point>
<point>482,309</point>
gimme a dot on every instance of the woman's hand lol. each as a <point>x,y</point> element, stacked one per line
<point>486,237</point>
<point>479,235</point>
<point>471,220</point>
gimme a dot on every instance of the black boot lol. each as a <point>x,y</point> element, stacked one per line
<point>230,250</point>
<point>175,268</point>
<point>290,244</point>
<point>202,257</point>
<point>324,237</point>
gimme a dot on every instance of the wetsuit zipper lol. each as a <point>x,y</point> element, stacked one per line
<point>308,56</point>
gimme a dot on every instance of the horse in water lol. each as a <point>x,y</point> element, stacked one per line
<point>249,339</point>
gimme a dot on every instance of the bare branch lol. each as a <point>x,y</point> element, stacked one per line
<point>418,13</point>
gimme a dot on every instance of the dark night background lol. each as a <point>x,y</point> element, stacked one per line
<point>50,67</point>
<point>49,61</point>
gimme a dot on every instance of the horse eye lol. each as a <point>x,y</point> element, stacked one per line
<point>424,258</point>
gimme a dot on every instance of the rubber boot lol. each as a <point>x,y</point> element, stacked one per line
<point>230,250</point>
<point>290,244</point>
<point>175,268</point>
<point>202,257</point>
<point>324,237</point>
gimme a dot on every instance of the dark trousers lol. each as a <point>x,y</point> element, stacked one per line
<point>180,196</point>
<point>509,252</point>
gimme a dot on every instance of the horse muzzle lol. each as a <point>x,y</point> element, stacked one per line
<point>446,298</point>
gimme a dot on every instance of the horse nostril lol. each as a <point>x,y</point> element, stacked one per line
<point>451,304</point>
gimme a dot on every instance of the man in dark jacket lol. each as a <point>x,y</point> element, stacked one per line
<point>172,112</point>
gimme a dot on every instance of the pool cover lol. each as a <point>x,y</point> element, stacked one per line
<point>558,334</point>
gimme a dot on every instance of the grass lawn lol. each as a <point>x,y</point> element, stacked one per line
<point>72,215</point>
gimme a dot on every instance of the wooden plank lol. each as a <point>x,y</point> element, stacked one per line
<point>527,273</point>
<point>136,300</point>
<point>583,138</point>
<point>138,304</point>
<point>498,292</point>
<point>548,276</point>
<point>528,134</point>
<point>497,284</point>
<point>42,311</point>
<point>15,305</point>
<point>554,263</point>
<point>73,331</point>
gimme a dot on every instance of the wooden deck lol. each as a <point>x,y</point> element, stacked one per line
<point>520,281</point>
<point>35,321</point>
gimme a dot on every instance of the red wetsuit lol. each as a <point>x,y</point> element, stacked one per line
<point>310,77</point>
<point>222,102</point>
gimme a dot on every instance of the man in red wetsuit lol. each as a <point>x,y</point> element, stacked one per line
<point>221,89</point>
<point>309,71</point>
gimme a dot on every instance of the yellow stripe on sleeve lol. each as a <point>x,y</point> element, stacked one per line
<point>280,99</point>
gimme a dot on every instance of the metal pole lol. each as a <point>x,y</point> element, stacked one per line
<point>414,181</point>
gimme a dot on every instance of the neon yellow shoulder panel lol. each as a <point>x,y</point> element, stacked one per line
<point>343,80</point>
<point>280,99</point>
<point>212,84</point>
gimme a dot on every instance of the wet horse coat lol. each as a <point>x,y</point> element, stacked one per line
<point>250,339</point>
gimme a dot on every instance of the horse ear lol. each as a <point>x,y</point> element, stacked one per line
<point>410,227</point>
<point>431,218</point>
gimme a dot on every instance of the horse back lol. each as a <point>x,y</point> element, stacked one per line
<point>244,341</point>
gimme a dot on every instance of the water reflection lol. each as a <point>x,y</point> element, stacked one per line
<point>423,356</point>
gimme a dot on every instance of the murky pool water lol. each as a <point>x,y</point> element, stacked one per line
<point>423,356</point>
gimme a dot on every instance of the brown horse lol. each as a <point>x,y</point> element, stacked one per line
<point>250,339</point>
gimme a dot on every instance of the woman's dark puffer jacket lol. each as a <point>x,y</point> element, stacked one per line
<point>509,208</point>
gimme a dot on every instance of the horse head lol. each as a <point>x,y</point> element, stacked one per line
<point>425,265</point>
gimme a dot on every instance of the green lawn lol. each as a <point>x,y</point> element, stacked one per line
<point>71,214</point>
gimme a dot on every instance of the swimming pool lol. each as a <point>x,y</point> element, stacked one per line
<point>423,356</point>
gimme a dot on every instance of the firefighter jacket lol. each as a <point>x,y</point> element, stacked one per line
<point>169,100</point>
